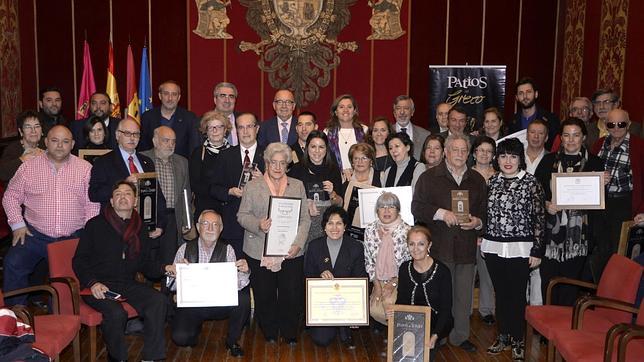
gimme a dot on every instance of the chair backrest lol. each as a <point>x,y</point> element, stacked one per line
<point>620,280</point>
<point>640,315</point>
<point>60,256</point>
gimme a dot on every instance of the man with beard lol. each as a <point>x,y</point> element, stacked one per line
<point>527,94</point>
<point>50,105</point>
<point>100,105</point>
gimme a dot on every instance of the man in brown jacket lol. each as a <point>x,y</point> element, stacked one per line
<point>454,242</point>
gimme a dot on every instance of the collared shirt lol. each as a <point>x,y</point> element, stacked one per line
<point>55,201</point>
<point>232,137</point>
<point>168,122</point>
<point>618,163</point>
<point>531,166</point>
<point>409,129</point>
<point>165,171</point>
<point>243,279</point>
<point>251,152</point>
<point>125,155</point>
<point>288,123</point>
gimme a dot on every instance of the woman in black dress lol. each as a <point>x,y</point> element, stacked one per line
<point>377,138</point>
<point>96,135</point>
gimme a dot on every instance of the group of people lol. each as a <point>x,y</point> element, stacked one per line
<point>222,170</point>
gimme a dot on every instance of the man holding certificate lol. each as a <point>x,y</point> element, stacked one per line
<point>207,248</point>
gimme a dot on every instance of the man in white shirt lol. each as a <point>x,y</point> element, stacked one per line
<point>225,97</point>
<point>403,111</point>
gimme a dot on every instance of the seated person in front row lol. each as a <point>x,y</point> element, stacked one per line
<point>209,249</point>
<point>113,247</point>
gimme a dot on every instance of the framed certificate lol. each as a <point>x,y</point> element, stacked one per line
<point>284,213</point>
<point>337,302</point>
<point>368,197</point>
<point>578,190</point>
<point>409,333</point>
<point>90,155</point>
<point>206,285</point>
<point>146,206</point>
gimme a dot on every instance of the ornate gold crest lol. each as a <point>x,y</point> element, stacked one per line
<point>212,19</point>
<point>385,20</point>
<point>299,46</point>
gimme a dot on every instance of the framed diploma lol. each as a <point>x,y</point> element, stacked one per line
<point>367,200</point>
<point>408,333</point>
<point>461,205</point>
<point>578,190</point>
<point>284,213</point>
<point>206,285</point>
<point>337,302</point>
<point>146,206</point>
<point>90,155</point>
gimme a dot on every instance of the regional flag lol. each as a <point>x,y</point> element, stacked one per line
<point>132,97</point>
<point>111,83</point>
<point>145,85</point>
<point>88,87</point>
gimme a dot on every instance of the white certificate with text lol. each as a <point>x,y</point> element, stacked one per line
<point>206,285</point>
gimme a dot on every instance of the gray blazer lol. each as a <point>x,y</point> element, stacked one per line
<point>181,182</point>
<point>254,207</point>
<point>420,134</point>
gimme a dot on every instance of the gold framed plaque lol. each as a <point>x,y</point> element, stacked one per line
<point>90,155</point>
<point>409,333</point>
<point>461,205</point>
<point>578,190</point>
<point>146,205</point>
<point>337,302</point>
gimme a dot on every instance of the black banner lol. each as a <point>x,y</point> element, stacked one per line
<point>473,87</point>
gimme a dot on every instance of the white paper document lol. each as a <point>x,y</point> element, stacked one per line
<point>206,285</point>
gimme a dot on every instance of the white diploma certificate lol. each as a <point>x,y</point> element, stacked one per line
<point>206,285</point>
<point>284,213</point>
<point>368,197</point>
<point>578,190</point>
<point>337,302</point>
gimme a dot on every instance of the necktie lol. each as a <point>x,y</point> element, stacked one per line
<point>403,129</point>
<point>246,159</point>
<point>284,132</point>
<point>132,166</point>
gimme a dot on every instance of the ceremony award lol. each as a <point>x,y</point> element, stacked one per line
<point>206,285</point>
<point>284,213</point>
<point>246,175</point>
<point>461,205</point>
<point>408,333</point>
<point>337,302</point>
<point>578,190</point>
<point>146,206</point>
<point>90,155</point>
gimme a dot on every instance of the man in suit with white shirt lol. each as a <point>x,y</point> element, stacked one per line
<point>225,97</point>
<point>280,128</point>
<point>403,111</point>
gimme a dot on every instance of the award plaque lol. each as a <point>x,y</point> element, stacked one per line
<point>409,333</point>
<point>284,213</point>
<point>246,175</point>
<point>147,187</point>
<point>315,191</point>
<point>90,155</point>
<point>337,302</point>
<point>461,205</point>
<point>578,190</point>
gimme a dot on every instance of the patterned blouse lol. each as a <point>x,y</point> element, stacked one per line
<point>372,243</point>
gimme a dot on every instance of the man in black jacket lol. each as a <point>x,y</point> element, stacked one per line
<point>526,96</point>
<point>100,105</point>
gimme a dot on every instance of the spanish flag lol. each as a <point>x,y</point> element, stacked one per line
<point>111,83</point>
<point>132,97</point>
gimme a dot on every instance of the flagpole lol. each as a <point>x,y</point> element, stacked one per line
<point>150,37</point>
<point>110,20</point>
<point>36,52</point>
<point>74,53</point>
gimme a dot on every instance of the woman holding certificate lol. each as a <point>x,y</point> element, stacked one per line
<point>513,242</point>
<point>276,280</point>
<point>335,255</point>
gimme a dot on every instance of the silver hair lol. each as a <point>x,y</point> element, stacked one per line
<point>224,85</point>
<point>277,147</point>
<point>404,97</point>
<point>453,137</point>
<point>387,199</point>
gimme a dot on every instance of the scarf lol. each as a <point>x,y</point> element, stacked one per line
<point>212,149</point>
<point>128,229</point>
<point>281,187</point>
<point>386,267</point>
<point>333,134</point>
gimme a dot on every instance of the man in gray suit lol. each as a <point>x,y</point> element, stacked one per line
<point>403,111</point>
<point>173,179</point>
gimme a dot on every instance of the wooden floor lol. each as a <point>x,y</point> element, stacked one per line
<point>370,346</point>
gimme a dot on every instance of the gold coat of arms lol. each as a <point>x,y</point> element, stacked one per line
<point>385,20</point>
<point>213,19</point>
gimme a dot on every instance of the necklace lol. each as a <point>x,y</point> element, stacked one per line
<point>413,291</point>
<point>346,141</point>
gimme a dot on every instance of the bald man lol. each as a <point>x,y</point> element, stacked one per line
<point>282,127</point>
<point>51,188</point>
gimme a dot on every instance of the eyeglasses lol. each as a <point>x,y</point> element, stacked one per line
<point>388,207</point>
<point>612,125</point>
<point>130,134</point>
<point>223,96</point>
<point>605,102</point>
<point>171,94</point>
<point>217,127</point>
<point>282,102</point>
<point>31,128</point>
<point>208,224</point>
<point>582,109</point>
<point>362,159</point>
<point>248,126</point>
<point>278,164</point>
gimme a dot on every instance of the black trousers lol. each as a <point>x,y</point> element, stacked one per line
<point>562,294</point>
<point>151,306</point>
<point>278,297</point>
<point>187,322</point>
<point>168,241</point>
<point>608,230</point>
<point>510,279</point>
<point>323,336</point>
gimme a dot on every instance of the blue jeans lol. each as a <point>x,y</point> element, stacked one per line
<point>21,260</point>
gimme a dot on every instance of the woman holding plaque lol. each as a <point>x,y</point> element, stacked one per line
<point>344,130</point>
<point>335,255</point>
<point>385,249</point>
<point>377,137</point>
<point>406,169</point>
<point>321,178</point>
<point>215,127</point>
<point>424,280</point>
<point>433,151</point>
<point>276,281</point>
<point>96,135</point>
<point>568,232</point>
<point>513,242</point>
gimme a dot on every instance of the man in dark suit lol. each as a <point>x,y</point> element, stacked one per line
<point>456,122</point>
<point>122,163</point>
<point>226,186</point>
<point>403,111</point>
<point>440,126</point>
<point>50,106</point>
<point>306,123</point>
<point>280,128</point>
<point>100,105</point>
<point>225,98</point>
<point>183,122</point>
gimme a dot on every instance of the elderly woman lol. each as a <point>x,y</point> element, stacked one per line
<point>406,169</point>
<point>513,242</point>
<point>385,249</point>
<point>335,255</point>
<point>377,137</point>
<point>23,149</point>
<point>424,280</point>
<point>276,282</point>
<point>344,130</point>
<point>433,151</point>
<point>493,126</point>
<point>215,126</point>
<point>96,134</point>
<point>321,178</point>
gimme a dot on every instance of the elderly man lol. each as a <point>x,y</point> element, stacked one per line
<point>208,248</point>
<point>526,96</point>
<point>454,243</point>
<point>23,149</point>
<point>100,105</point>
<point>173,176</point>
<point>581,108</point>
<point>403,111</point>
<point>113,247</point>
<point>306,123</point>
<point>605,100</point>
<point>280,128</point>
<point>442,110</point>
<point>183,122</point>
<point>50,104</point>
<point>225,96</point>
<point>51,188</point>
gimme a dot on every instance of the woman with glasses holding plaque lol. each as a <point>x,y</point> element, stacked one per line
<point>203,161</point>
<point>321,178</point>
<point>277,281</point>
<point>406,169</point>
<point>377,137</point>
<point>433,151</point>
<point>344,130</point>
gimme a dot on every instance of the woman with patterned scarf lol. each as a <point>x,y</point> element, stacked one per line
<point>344,130</point>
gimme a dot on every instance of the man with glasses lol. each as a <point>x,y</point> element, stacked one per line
<point>403,111</point>
<point>604,101</point>
<point>244,160</point>
<point>183,122</point>
<point>225,96</point>
<point>280,128</point>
